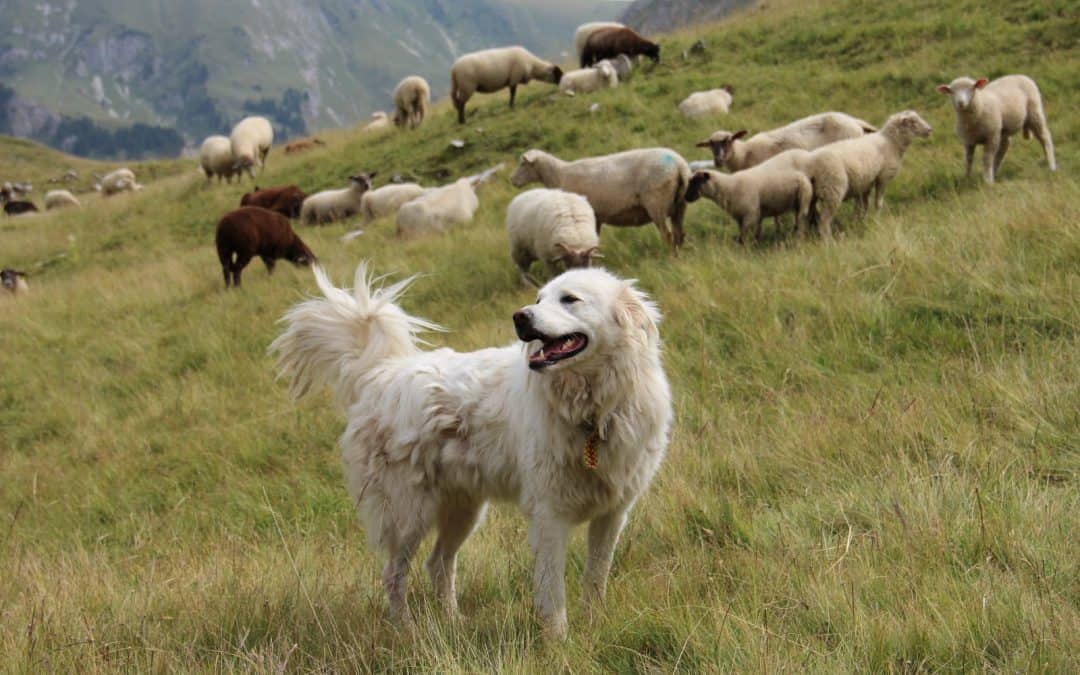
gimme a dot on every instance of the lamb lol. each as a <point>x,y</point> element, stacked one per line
<point>987,114</point>
<point>734,154</point>
<point>581,35</point>
<point>553,226</point>
<point>707,103</point>
<point>120,180</point>
<point>13,281</point>
<point>379,122</point>
<point>331,205</point>
<point>438,209</point>
<point>623,66</point>
<point>600,76</point>
<point>58,199</point>
<point>284,199</point>
<point>251,139</point>
<point>216,159</point>
<point>411,99</point>
<point>17,207</point>
<point>756,193</point>
<point>490,70</point>
<point>624,189</point>
<point>254,231</point>
<point>608,43</point>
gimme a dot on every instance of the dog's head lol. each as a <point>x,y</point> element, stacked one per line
<point>587,316</point>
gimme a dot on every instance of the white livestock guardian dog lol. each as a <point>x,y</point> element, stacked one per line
<point>571,425</point>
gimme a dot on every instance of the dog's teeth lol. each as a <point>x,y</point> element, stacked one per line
<point>541,354</point>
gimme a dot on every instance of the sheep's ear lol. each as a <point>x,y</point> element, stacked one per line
<point>981,82</point>
<point>594,253</point>
<point>944,89</point>
<point>372,175</point>
<point>728,88</point>
<point>738,134</point>
<point>528,157</point>
<point>704,144</point>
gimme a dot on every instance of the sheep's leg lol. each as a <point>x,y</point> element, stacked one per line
<point>659,218</point>
<point>227,273</point>
<point>513,94</point>
<point>269,262</point>
<point>989,154</point>
<point>1000,154</point>
<point>455,524</point>
<point>678,214</point>
<point>969,158</point>
<point>879,193</point>
<point>242,259</point>
<point>862,205</point>
<point>1042,134</point>
<point>460,105</point>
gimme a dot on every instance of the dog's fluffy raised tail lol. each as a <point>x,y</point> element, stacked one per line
<point>337,339</point>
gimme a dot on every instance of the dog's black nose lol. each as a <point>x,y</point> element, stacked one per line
<point>524,326</point>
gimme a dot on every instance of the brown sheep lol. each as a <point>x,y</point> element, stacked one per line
<point>303,145</point>
<point>251,231</point>
<point>14,208</point>
<point>608,43</point>
<point>285,199</point>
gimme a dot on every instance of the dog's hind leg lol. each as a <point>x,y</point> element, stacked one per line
<point>456,521</point>
<point>403,544</point>
<point>603,536</point>
<point>547,538</point>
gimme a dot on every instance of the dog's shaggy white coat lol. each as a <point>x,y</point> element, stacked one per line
<point>433,435</point>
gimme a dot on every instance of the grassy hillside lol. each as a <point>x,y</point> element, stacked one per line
<point>874,467</point>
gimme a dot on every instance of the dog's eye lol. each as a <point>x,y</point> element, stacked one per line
<point>569,299</point>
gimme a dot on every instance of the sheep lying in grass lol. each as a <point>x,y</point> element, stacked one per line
<point>216,159</point>
<point>379,122</point>
<point>284,199</point>
<point>490,70</point>
<point>13,281</point>
<point>330,205</point>
<point>18,207</point>
<point>121,180</point>
<point>59,199</point>
<point>388,199</point>
<point>251,140</point>
<point>624,189</point>
<point>554,226</point>
<point>411,99</point>
<point>707,103</point>
<point>731,152</point>
<point>755,193</point>
<point>988,113</point>
<point>581,35</point>
<point>586,80</point>
<point>438,209</point>
<point>303,145</point>
<point>623,66</point>
<point>251,231</point>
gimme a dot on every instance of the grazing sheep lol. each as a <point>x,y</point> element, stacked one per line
<point>438,209</point>
<point>411,99</point>
<point>303,145</point>
<point>13,281</point>
<point>251,140</point>
<point>490,70</point>
<point>216,159</point>
<point>121,180</point>
<point>58,199</point>
<point>600,76</point>
<point>987,114</point>
<point>330,205</point>
<point>379,122</point>
<point>581,35</point>
<point>756,193</point>
<point>608,43</point>
<point>624,189</point>
<point>19,207</point>
<point>623,66</point>
<point>554,226</point>
<point>284,199</point>
<point>707,103</point>
<point>388,199</point>
<point>251,231</point>
<point>734,154</point>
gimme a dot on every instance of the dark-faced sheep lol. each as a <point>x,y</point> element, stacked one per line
<point>608,43</point>
<point>14,208</point>
<point>254,231</point>
<point>13,281</point>
<point>285,199</point>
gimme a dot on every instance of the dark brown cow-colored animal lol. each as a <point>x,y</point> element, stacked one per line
<point>251,231</point>
<point>285,199</point>
<point>14,208</point>
<point>608,43</point>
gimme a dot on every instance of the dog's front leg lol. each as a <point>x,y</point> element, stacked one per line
<point>603,536</point>
<point>547,538</point>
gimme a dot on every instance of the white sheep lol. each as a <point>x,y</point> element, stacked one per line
<point>251,140</point>
<point>388,199</point>
<point>731,152</point>
<point>623,66</point>
<point>490,70</point>
<point>330,205</point>
<point>554,226</point>
<point>380,121</point>
<point>624,189</point>
<point>58,199</point>
<point>707,103</point>
<point>411,99</point>
<point>216,159</point>
<point>438,209</point>
<point>988,113</point>
<point>120,180</point>
<point>581,35</point>
<point>586,80</point>
<point>756,193</point>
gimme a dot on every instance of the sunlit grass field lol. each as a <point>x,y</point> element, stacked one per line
<point>874,466</point>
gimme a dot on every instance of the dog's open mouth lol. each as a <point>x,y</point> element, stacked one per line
<point>557,349</point>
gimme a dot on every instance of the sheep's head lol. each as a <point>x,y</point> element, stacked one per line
<point>697,182</point>
<point>721,144</point>
<point>577,258</point>
<point>299,254</point>
<point>909,124</point>
<point>962,90</point>
<point>653,52</point>
<point>12,280</point>
<point>362,181</point>
<point>526,171</point>
<point>556,74</point>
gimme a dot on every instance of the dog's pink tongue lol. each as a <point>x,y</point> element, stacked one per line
<point>563,345</point>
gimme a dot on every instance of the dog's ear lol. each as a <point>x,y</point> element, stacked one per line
<point>634,310</point>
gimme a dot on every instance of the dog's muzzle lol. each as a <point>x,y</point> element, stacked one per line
<point>523,325</point>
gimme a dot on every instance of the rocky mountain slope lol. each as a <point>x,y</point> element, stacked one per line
<point>658,16</point>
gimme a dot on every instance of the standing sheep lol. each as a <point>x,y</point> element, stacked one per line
<point>216,159</point>
<point>756,193</point>
<point>251,231</point>
<point>624,189</point>
<point>438,209</point>
<point>284,199</point>
<point>121,180</point>
<point>554,226</point>
<point>58,199</point>
<point>734,154</point>
<point>330,205</point>
<point>600,76</point>
<point>608,43</point>
<point>581,35</point>
<point>490,70</point>
<point>707,103</point>
<point>411,99</point>
<point>988,113</point>
<point>251,140</point>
